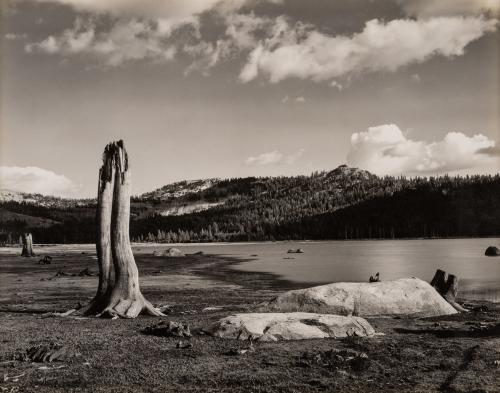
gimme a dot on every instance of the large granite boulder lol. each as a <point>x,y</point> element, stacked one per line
<point>289,326</point>
<point>405,297</point>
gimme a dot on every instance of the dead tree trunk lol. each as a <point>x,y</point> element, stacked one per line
<point>118,293</point>
<point>447,288</point>
<point>27,240</point>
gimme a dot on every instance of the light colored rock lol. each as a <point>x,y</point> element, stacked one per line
<point>406,296</point>
<point>170,252</point>
<point>289,326</point>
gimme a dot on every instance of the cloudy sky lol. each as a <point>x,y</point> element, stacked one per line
<point>226,88</point>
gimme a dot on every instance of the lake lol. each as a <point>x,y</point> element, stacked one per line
<point>332,261</point>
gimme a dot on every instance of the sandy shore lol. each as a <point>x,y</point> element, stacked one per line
<point>455,354</point>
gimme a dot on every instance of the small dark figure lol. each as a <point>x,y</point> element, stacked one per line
<point>376,278</point>
<point>47,260</point>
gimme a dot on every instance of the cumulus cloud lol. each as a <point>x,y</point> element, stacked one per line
<point>273,47</point>
<point>427,8</point>
<point>37,181</point>
<point>303,52</point>
<point>385,150</point>
<point>273,158</point>
<point>142,30</point>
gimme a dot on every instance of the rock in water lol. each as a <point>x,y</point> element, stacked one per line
<point>171,252</point>
<point>288,326</point>
<point>406,296</point>
<point>492,251</point>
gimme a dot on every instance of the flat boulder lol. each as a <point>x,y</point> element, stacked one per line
<point>492,251</point>
<point>289,326</point>
<point>403,297</point>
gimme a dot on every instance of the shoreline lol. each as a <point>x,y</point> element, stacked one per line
<point>256,242</point>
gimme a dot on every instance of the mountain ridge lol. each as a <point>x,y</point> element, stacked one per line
<point>322,205</point>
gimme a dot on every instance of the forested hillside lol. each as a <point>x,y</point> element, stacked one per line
<point>345,203</point>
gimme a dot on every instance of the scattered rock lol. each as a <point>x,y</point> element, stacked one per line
<point>198,253</point>
<point>86,272</point>
<point>184,345</point>
<point>288,326</point>
<point>492,251</point>
<point>58,314</point>
<point>295,251</point>
<point>170,252</point>
<point>239,351</point>
<point>406,296</point>
<point>46,260</point>
<point>335,359</point>
<point>206,309</point>
<point>168,329</point>
<point>13,378</point>
<point>60,273</point>
<point>166,309</point>
<point>45,353</point>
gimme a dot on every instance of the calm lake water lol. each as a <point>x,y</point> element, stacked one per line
<point>332,261</point>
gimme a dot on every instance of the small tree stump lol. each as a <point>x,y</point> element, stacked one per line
<point>27,241</point>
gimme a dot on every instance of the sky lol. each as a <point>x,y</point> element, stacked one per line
<point>233,88</point>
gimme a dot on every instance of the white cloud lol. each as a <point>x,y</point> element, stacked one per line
<point>127,40</point>
<point>274,157</point>
<point>12,37</point>
<point>302,52</point>
<point>385,150</point>
<point>300,99</point>
<point>206,55</point>
<point>426,8</point>
<point>36,180</point>
<point>142,30</point>
<point>272,46</point>
<point>337,85</point>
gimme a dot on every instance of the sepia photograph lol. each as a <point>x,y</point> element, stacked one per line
<point>254,196</point>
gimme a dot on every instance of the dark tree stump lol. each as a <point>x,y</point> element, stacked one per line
<point>447,287</point>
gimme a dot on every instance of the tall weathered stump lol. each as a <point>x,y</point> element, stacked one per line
<point>118,293</point>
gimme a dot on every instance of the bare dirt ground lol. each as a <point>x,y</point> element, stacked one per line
<point>448,354</point>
